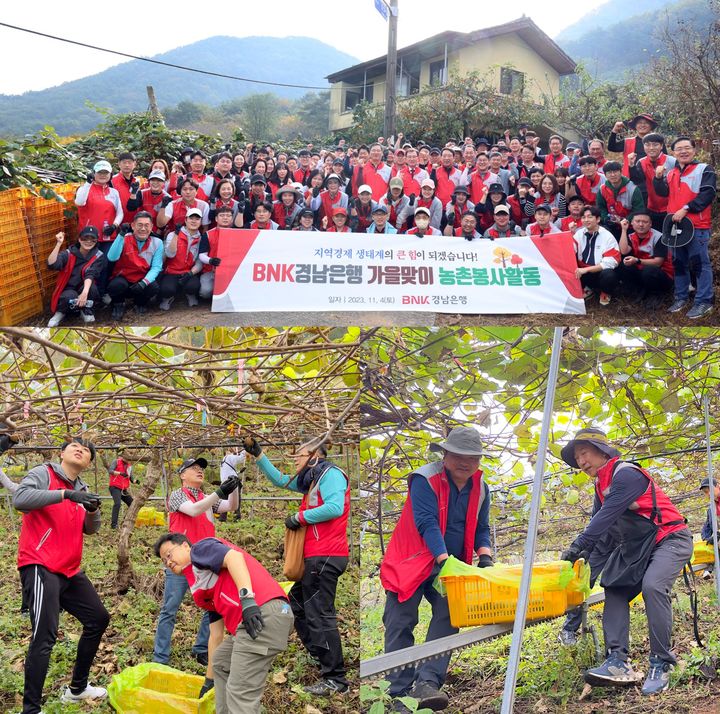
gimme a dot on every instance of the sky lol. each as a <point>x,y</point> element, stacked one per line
<point>353,26</point>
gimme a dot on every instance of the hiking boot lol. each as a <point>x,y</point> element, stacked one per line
<point>326,688</point>
<point>677,306</point>
<point>429,696</point>
<point>192,300</point>
<point>567,637</point>
<point>588,293</point>
<point>87,693</point>
<point>658,679</point>
<point>605,299</point>
<point>165,304</point>
<point>87,316</point>
<point>117,312</point>
<point>699,309</point>
<point>612,672</point>
<point>56,319</point>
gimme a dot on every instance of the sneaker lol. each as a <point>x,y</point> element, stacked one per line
<point>605,299</point>
<point>429,696</point>
<point>192,300</point>
<point>699,309</point>
<point>56,319</point>
<point>567,637</point>
<point>326,688</point>
<point>658,679</point>
<point>677,306</point>
<point>87,316</point>
<point>588,293</point>
<point>106,299</point>
<point>117,312</point>
<point>612,672</point>
<point>165,304</point>
<point>706,574</point>
<point>201,657</point>
<point>88,693</point>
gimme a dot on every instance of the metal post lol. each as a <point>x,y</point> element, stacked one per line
<point>523,596</point>
<point>713,512</point>
<point>391,70</point>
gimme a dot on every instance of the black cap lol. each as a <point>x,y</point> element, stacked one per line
<point>90,231</point>
<point>543,207</point>
<point>202,463</point>
<point>187,150</point>
<point>482,140</point>
<point>496,188</point>
<point>307,212</point>
<point>435,150</point>
<point>462,189</point>
<point>258,178</point>
<point>524,182</point>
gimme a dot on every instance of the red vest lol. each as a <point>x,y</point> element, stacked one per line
<point>620,203</point>
<point>66,272</point>
<point>684,187</point>
<point>194,527</point>
<point>534,230</point>
<point>377,178</point>
<point>280,213</point>
<point>179,212</point>
<point>328,537</point>
<point>516,212</point>
<point>213,236</point>
<point>645,249</point>
<point>183,260</point>
<point>588,190</point>
<point>98,211</point>
<point>219,593</point>
<point>477,186</point>
<point>495,233</point>
<point>654,202</point>
<point>132,264</point>
<point>344,229</point>
<point>328,205</point>
<point>446,181</point>
<point>408,561</point>
<point>552,162</point>
<point>411,179</point>
<point>667,518</point>
<point>53,536</point>
<point>123,480</point>
<point>122,186</point>
<point>565,223</point>
<point>151,204</point>
<point>205,182</point>
<point>301,176</point>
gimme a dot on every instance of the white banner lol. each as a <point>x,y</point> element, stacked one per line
<point>298,271</point>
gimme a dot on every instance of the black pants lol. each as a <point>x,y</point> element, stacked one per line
<point>657,220</point>
<point>313,604</point>
<point>605,281</point>
<point>118,494</point>
<point>118,290</point>
<point>169,286</point>
<point>47,592</point>
<point>104,247</point>
<point>649,280</point>
<point>72,294</point>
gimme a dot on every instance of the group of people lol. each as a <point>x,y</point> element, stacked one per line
<point>636,538</point>
<point>157,238</point>
<point>247,616</point>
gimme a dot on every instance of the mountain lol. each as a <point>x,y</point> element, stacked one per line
<point>292,60</point>
<point>610,49</point>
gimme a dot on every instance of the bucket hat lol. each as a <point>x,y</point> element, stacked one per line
<point>589,435</point>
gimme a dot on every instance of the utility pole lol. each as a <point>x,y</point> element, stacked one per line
<point>391,71</point>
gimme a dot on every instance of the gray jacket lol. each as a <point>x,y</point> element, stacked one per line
<point>33,493</point>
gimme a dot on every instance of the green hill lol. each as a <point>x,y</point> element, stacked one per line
<point>293,60</point>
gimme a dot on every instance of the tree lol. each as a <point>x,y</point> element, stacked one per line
<point>259,114</point>
<point>313,113</point>
<point>184,114</point>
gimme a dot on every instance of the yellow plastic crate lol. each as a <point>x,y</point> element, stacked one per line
<point>475,601</point>
<point>703,553</point>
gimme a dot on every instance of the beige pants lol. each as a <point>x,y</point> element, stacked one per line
<point>241,664</point>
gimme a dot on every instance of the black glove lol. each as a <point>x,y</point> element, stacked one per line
<point>165,201</point>
<point>206,687</point>
<point>241,205</point>
<point>573,553</point>
<point>252,617</point>
<point>316,191</point>
<point>6,442</point>
<point>109,230</point>
<point>90,501</point>
<point>293,522</point>
<point>289,222</point>
<point>134,186</point>
<point>90,177</point>
<point>228,487</point>
<point>251,445</point>
<point>125,228</point>
<point>485,561</point>
<point>182,280</point>
<point>137,288</point>
<point>214,262</point>
<point>412,199</point>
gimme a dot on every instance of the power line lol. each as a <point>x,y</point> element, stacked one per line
<point>164,64</point>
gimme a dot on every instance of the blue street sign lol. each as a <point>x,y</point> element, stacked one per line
<point>382,8</point>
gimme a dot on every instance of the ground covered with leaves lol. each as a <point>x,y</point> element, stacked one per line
<point>130,637</point>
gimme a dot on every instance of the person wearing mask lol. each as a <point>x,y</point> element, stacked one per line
<point>654,545</point>
<point>324,511</point>
<point>691,187</point>
<point>429,200</point>
<point>191,513</point>
<point>120,478</point>
<point>446,513</point>
<point>422,225</point>
<point>503,227</point>
<point>182,267</point>
<point>80,268</point>
<point>138,261</point>
<point>58,510</point>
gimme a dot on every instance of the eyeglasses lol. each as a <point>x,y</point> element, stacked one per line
<point>168,555</point>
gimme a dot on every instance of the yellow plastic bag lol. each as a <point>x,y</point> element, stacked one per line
<point>152,688</point>
<point>703,553</point>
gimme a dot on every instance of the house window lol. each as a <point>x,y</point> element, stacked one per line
<point>354,96</point>
<point>511,81</point>
<point>438,73</point>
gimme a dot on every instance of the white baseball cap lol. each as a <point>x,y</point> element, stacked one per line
<point>102,166</point>
<point>427,182</point>
<point>364,189</point>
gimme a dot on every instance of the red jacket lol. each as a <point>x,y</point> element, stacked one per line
<point>667,517</point>
<point>408,561</point>
<point>446,181</point>
<point>185,255</point>
<point>552,163</point>
<point>122,186</point>
<point>654,202</point>
<point>121,480</point>
<point>53,536</point>
<point>194,527</point>
<point>684,187</point>
<point>588,189</point>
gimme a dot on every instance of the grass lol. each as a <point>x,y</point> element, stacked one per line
<point>130,636</point>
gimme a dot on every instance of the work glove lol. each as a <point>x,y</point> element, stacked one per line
<point>206,687</point>
<point>485,561</point>
<point>183,279</point>
<point>125,228</point>
<point>251,445</point>
<point>293,522</point>
<point>134,187</point>
<point>90,501</point>
<point>289,220</point>
<point>165,201</point>
<point>6,442</point>
<point>412,199</point>
<point>214,262</point>
<point>109,230</point>
<point>137,288</point>
<point>252,617</point>
<point>228,487</point>
<point>573,553</point>
<point>316,191</point>
<point>90,177</point>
